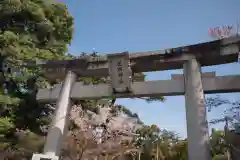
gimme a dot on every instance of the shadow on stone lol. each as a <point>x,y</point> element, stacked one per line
<point>54,141</point>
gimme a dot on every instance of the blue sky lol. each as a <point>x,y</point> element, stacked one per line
<point>113,26</point>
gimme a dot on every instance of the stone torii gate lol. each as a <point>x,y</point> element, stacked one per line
<point>193,84</point>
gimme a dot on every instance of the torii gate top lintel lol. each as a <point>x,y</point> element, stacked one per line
<point>208,53</point>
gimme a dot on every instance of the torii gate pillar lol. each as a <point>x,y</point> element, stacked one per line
<point>197,126</point>
<point>59,125</point>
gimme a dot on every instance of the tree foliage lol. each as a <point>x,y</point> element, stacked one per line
<point>231,114</point>
<point>217,141</point>
<point>155,142</point>
<point>225,142</point>
<point>29,29</point>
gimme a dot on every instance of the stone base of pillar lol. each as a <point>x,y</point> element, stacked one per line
<point>44,157</point>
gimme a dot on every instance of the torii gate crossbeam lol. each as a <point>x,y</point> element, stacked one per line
<point>173,87</point>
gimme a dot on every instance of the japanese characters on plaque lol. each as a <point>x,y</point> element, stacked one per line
<point>120,72</point>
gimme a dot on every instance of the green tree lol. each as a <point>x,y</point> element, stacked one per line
<point>180,150</point>
<point>222,143</point>
<point>29,29</point>
<point>161,144</point>
<point>232,113</point>
<point>217,142</point>
<point>146,136</point>
<point>170,146</point>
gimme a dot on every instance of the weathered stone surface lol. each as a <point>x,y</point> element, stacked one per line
<point>208,53</point>
<point>221,84</point>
